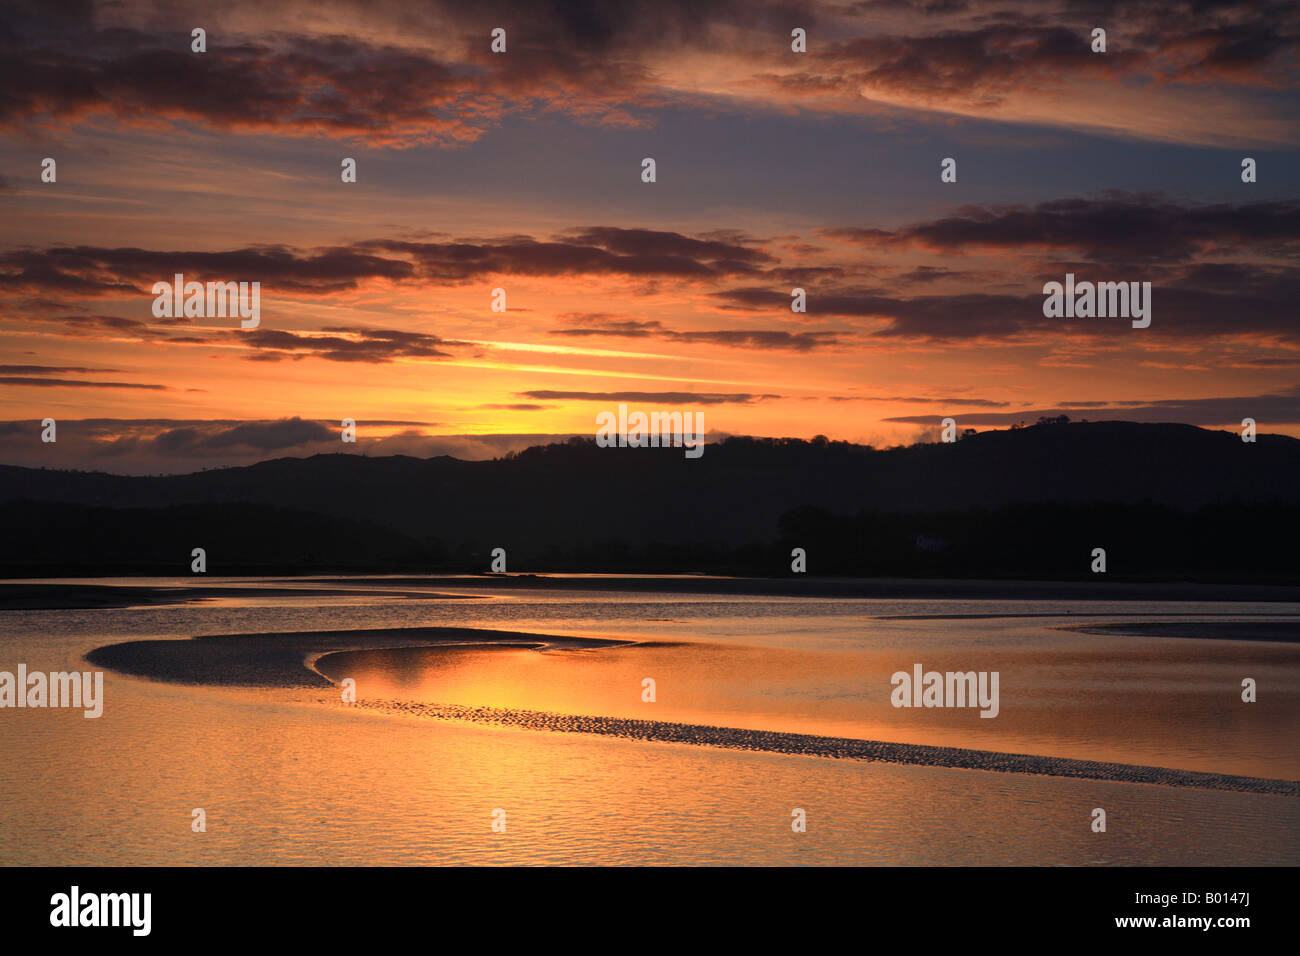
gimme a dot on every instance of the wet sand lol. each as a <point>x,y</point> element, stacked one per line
<point>1286,632</point>
<point>288,660</point>
<point>285,660</point>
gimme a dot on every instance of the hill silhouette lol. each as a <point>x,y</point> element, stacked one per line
<point>1164,499</point>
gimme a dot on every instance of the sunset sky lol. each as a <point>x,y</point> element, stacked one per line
<point>522,171</point>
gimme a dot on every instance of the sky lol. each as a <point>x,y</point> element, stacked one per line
<point>522,170</point>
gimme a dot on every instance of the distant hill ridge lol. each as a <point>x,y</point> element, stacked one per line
<point>573,497</point>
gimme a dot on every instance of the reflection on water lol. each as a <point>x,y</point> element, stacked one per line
<point>293,776</point>
<point>1173,705</point>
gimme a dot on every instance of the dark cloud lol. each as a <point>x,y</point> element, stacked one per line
<point>90,271</point>
<point>115,323</point>
<point>100,427</point>
<point>990,60</point>
<point>596,61</point>
<point>1292,362</point>
<point>978,54</point>
<point>1125,237</point>
<point>1228,39</point>
<point>632,252</point>
<point>917,400</point>
<point>177,440</point>
<point>750,338</point>
<point>90,326</point>
<point>308,86</point>
<point>624,27</point>
<point>966,315</point>
<point>1260,304</point>
<point>1117,227</point>
<point>1270,409</point>
<point>576,56</point>
<point>1116,237</point>
<point>649,242</point>
<point>927,274</point>
<point>630,328</point>
<point>360,345</point>
<point>75,383</point>
<point>151,446</point>
<point>762,339</point>
<point>263,436</point>
<point>50,370</point>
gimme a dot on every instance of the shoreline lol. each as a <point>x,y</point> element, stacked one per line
<point>86,593</point>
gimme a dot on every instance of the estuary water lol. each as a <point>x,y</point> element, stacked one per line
<point>294,775</point>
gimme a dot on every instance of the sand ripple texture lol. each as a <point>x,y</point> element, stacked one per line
<point>838,747</point>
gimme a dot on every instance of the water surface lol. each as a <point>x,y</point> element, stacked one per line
<point>294,775</point>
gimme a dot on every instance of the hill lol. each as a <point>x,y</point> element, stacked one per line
<point>923,509</point>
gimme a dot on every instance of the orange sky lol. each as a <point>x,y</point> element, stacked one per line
<point>522,171</point>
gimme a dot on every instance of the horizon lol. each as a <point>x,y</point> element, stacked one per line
<point>508,446</point>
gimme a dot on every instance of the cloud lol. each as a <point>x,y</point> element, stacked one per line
<point>928,274</point>
<point>741,252</point>
<point>601,250</point>
<point>91,326</point>
<point>263,436</point>
<point>307,86</point>
<point>932,317</point>
<point>1268,409</point>
<point>1116,237</point>
<point>1291,362</point>
<point>1204,261</point>
<point>1114,228</point>
<point>360,345</point>
<point>75,383</point>
<point>752,338</point>
<point>399,74</point>
<point>50,369</point>
<point>418,76</point>
<point>91,270</point>
<point>916,400</point>
<point>986,62</point>
<point>1025,61</point>
<point>94,271</point>
<point>152,446</point>
<point>1185,305</point>
<point>627,328</point>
